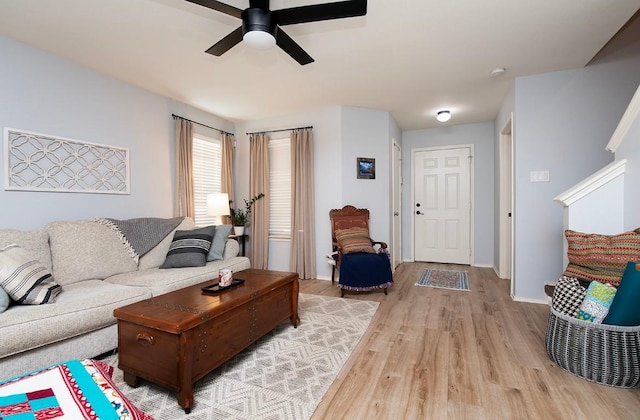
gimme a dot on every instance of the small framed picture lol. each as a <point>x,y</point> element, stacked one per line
<point>366,168</point>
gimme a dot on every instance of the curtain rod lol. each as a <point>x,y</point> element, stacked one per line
<point>204,125</point>
<point>276,131</point>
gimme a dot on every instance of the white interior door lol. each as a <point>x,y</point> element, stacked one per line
<point>506,200</point>
<point>396,248</point>
<point>442,205</point>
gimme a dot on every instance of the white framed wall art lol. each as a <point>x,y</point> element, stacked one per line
<point>41,162</point>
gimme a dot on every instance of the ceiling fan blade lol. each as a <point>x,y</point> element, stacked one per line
<point>226,43</point>
<point>220,7</point>
<point>290,46</point>
<point>317,12</point>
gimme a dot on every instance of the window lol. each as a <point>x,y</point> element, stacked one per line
<point>207,175</point>
<point>280,188</point>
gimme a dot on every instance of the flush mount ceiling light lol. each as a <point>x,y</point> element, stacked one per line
<point>498,72</point>
<point>443,116</point>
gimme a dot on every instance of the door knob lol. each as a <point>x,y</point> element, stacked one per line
<point>418,212</point>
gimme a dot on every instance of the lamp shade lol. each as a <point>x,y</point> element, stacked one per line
<point>218,204</point>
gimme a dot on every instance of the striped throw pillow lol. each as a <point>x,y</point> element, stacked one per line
<point>601,257</point>
<point>189,248</point>
<point>24,279</point>
<point>355,239</point>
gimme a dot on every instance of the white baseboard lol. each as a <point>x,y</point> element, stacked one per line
<point>527,300</point>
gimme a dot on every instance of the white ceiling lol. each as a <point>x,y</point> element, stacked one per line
<point>410,57</point>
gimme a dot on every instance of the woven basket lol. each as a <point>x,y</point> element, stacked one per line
<point>606,354</point>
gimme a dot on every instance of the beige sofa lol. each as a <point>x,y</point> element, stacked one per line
<point>97,275</point>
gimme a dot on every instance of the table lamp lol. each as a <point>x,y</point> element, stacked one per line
<point>218,206</point>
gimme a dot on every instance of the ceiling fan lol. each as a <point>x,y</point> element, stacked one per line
<point>261,26</point>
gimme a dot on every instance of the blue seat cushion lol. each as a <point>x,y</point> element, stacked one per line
<point>364,271</point>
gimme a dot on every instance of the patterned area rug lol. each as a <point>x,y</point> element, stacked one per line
<point>444,279</point>
<point>282,376</point>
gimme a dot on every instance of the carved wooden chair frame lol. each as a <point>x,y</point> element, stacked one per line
<point>345,218</point>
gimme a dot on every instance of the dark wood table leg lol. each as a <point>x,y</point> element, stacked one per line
<point>185,378</point>
<point>131,379</point>
<point>295,319</point>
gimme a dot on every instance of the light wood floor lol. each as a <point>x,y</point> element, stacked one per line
<point>442,354</point>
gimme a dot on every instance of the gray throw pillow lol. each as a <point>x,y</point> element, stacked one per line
<point>189,248</point>
<point>219,241</point>
<point>4,300</point>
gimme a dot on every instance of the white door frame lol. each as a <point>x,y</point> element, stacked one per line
<point>471,195</point>
<point>396,185</point>
<point>506,245</point>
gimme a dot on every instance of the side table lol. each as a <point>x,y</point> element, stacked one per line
<point>241,240</point>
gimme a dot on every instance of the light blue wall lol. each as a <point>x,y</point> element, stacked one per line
<point>481,136</point>
<point>46,94</point>
<point>365,133</point>
<point>563,121</point>
<point>630,149</point>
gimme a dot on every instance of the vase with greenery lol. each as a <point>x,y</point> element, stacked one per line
<point>240,216</point>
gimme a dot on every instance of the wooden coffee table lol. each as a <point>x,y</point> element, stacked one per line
<point>175,339</point>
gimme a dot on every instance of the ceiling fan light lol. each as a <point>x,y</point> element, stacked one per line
<point>443,116</point>
<point>259,40</point>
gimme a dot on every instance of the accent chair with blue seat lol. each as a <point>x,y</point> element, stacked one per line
<point>361,266</point>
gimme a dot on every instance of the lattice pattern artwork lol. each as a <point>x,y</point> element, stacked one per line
<point>39,162</point>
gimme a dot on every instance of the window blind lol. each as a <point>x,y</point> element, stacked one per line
<point>280,188</point>
<point>207,175</point>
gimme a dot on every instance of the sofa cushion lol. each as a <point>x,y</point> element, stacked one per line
<point>36,242</point>
<point>85,250</point>
<point>231,249</point>
<point>162,281</point>
<point>81,308</point>
<point>601,257</point>
<point>596,303</point>
<point>219,241</point>
<point>354,239</point>
<point>189,248</point>
<point>624,308</point>
<point>568,295</point>
<point>24,279</point>
<point>158,254</point>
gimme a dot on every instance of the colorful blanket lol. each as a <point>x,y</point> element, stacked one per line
<point>77,389</point>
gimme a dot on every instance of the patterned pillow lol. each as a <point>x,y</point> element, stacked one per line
<point>601,257</point>
<point>24,279</point>
<point>568,295</point>
<point>189,248</point>
<point>596,303</point>
<point>355,239</point>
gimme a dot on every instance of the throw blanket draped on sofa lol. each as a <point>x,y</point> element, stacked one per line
<point>141,235</point>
